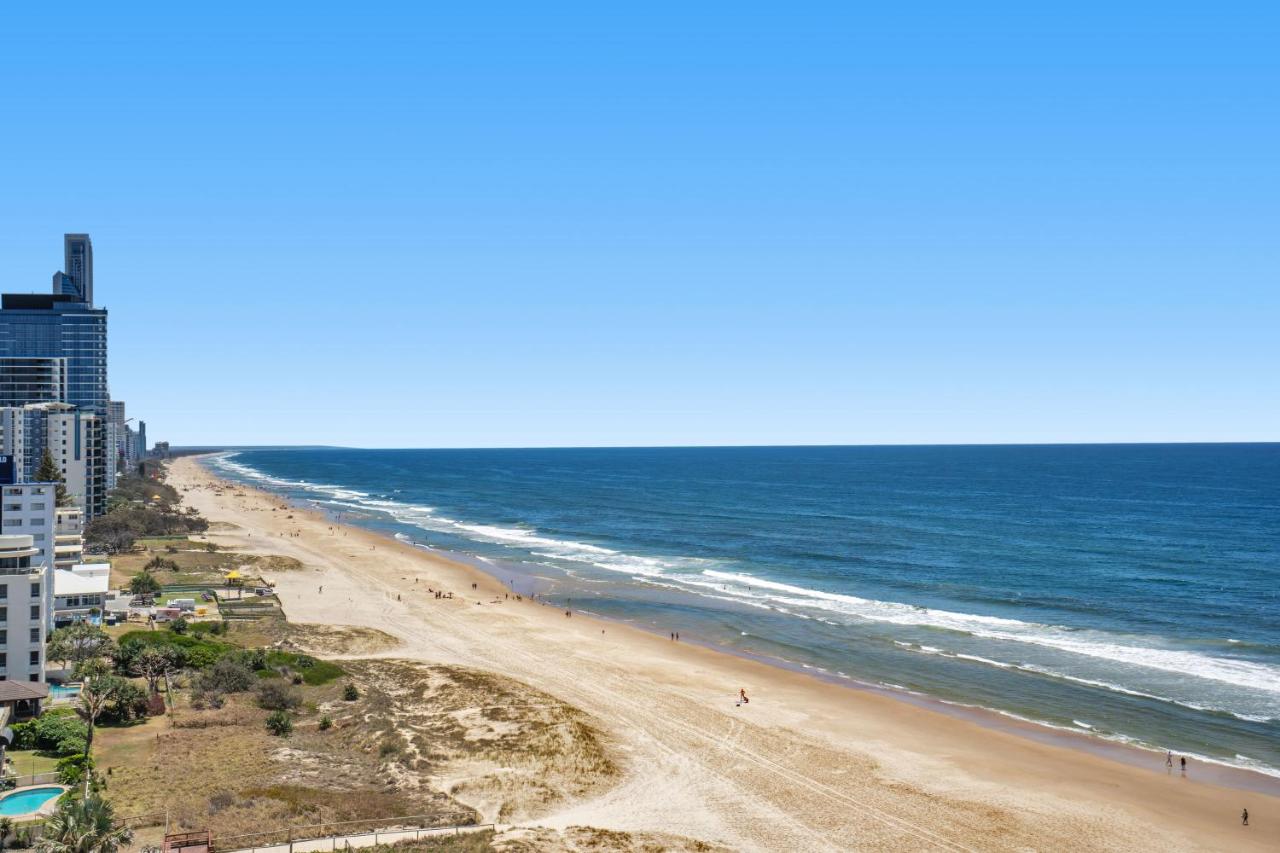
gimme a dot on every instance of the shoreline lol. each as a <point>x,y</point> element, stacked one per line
<point>1132,754</point>
<point>927,714</point>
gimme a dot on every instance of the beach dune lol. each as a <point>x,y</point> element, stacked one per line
<point>806,765</point>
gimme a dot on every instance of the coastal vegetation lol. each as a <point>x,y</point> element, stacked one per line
<point>141,506</point>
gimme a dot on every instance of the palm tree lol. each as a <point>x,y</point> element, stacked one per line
<point>6,829</point>
<point>83,825</point>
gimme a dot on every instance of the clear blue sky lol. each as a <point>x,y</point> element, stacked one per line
<point>557,224</point>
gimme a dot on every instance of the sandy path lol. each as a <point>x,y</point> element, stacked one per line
<point>806,766</point>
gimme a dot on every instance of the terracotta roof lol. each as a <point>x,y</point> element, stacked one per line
<point>13,691</point>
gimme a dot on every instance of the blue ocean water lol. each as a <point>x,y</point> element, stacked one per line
<point>1128,591</point>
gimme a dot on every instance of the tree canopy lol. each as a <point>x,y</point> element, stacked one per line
<point>49,472</point>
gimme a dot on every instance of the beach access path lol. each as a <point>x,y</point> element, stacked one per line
<point>807,765</point>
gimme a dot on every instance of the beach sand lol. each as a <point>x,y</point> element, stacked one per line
<point>806,765</point>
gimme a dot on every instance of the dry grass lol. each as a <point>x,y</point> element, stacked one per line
<point>585,839</point>
<point>197,565</point>
<point>494,743</point>
<point>420,740</point>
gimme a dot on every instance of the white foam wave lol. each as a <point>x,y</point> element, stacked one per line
<point>1094,644</point>
<point>701,575</point>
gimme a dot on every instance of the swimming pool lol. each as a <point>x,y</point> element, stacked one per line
<point>64,691</point>
<point>27,800</point>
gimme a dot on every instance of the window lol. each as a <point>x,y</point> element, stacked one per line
<point>4,614</point>
<point>35,590</point>
<point>4,636</point>
<point>35,657</point>
<point>35,611</point>
<point>35,635</point>
<point>34,676</point>
<point>4,592</point>
<point>4,659</point>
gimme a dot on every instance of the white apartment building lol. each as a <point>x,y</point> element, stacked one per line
<point>68,536</point>
<point>25,603</point>
<point>31,509</point>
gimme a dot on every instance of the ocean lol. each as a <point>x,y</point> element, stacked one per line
<point>1130,592</point>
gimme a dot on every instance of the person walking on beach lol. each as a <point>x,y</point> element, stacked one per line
<point>1168,760</point>
<point>742,694</point>
<point>1244,817</point>
<point>1184,765</point>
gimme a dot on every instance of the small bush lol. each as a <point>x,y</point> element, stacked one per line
<point>325,723</point>
<point>180,625</point>
<point>350,693</point>
<point>228,675</point>
<point>71,769</point>
<point>279,723</point>
<point>277,696</point>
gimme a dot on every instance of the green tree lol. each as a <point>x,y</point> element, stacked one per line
<point>6,829</point>
<point>154,663</point>
<point>144,583</point>
<point>83,825</point>
<point>77,644</point>
<point>49,472</point>
<point>100,690</point>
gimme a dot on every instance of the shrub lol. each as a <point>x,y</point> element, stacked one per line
<point>277,696</point>
<point>314,672</point>
<point>279,723</point>
<point>55,732</point>
<point>179,625</point>
<point>325,723</point>
<point>351,693</point>
<point>128,702</point>
<point>144,583</point>
<point>196,652</point>
<point>71,769</point>
<point>228,675</point>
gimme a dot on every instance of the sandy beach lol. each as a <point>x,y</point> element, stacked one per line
<point>806,765</point>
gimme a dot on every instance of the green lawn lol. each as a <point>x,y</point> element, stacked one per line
<point>27,762</point>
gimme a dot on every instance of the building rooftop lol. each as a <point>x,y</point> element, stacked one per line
<point>16,691</point>
<point>73,582</point>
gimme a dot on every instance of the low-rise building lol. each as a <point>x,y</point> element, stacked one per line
<point>79,594</point>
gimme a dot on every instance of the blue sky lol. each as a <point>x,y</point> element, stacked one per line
<point>561,224</point>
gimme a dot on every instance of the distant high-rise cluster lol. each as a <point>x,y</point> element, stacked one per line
<point>63,441</point>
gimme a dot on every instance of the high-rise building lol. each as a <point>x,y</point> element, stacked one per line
<point>32,380</point>
<point>75,439</point>
<point>43,326</point>
<point>77,269</point>
<point>142,439</point>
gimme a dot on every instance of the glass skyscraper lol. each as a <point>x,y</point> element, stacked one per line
<point>40,325</point>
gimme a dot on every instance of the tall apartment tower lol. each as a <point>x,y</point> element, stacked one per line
<point>77,268</point>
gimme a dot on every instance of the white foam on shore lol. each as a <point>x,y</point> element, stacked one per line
<point>706,578</point>
<point>1095,644</point>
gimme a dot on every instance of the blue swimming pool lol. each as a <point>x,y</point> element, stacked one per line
<point>28,800</point>
<point>64,691</point>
